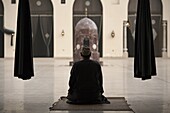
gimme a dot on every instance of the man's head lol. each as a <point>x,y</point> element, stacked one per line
<point>85,52</point>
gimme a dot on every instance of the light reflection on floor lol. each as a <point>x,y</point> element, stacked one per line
<point>51,82</point>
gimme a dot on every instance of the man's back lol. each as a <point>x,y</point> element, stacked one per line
<point>86,81</point>
<point>89,77</point>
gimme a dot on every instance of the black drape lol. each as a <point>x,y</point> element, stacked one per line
<point>23,67</point>
<point>46,27</point>
<point>34,21</point>
<point>144,60</point>
<point>42,27</point>
<point>39,49</point>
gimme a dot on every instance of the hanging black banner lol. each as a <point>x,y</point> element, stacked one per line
<point>23,67</point>
<point>144,60</point>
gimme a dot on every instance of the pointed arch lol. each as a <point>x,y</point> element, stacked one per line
<point>94,12</point>
<point>42,27</point>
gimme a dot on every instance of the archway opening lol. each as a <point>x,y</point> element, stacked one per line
<point>93,10</point>
<point>42,27</point>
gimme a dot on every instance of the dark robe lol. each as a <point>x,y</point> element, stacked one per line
<point>86,81</point>
<point>144,60</point>
<point>23,67</point>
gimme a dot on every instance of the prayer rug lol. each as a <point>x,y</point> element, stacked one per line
<point>116,104</point>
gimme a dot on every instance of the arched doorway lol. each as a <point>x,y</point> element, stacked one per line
<point>156,16</point>
<point>1,30</point>
<point>42,27</point>
<point>93,9</point>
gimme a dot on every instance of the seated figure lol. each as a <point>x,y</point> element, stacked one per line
<point>86,81</point>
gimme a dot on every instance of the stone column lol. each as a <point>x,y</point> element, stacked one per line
<point>125,49</point>
<point>164,49</point>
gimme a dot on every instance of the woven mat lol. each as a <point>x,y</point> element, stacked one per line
<point>116,104</point>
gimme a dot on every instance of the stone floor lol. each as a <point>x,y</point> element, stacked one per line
<point>51,81</point>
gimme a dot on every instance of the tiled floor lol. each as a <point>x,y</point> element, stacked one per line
<point>51,82</point>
